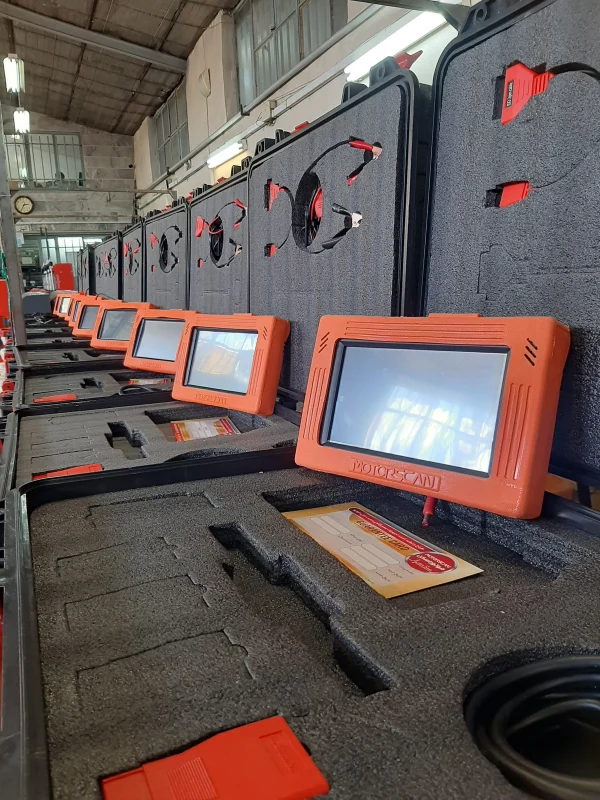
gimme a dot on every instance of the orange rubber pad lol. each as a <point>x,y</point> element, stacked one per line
<point>61,473</point>
<point>55,398</point>
<point>260,761</point>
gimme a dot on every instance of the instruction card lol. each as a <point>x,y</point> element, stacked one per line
<point>149,381</point>
<point>190,429</point>
<point>390,559</point>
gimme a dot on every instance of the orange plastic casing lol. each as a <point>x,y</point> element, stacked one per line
<point>62,276</point>
<point>147,364</point>
<point>266,364</point>
<point>57,302</point>
<point>514,487</point>
<point>109,305</point>
<point>78,297</point>
<point>87,300</point>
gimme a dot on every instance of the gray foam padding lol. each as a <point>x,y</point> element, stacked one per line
<point>108,260</point>
<point>34,303</point>
<point>84,385</point>
<point>540,256</point>
<point>133,264</point>
<point>86,276</point>
<point>65,355</point>
<point>76,438</point>
<point>166,285</point>
<point>157,629</point>
<point>360,274</point>
<point>219,284</point>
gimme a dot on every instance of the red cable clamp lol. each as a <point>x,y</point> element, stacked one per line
<point>260,761</point>
<point>271,192</point>
<point>358,144</point>
<point>200,225</point>
<point>520,85</point>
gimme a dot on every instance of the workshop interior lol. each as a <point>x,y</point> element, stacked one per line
<point>299,432</point>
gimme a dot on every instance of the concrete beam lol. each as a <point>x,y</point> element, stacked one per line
<point>65,30</point>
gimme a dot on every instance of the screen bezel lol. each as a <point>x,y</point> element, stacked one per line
<point>102,323</point>
<point>82,317</point>
<point>192,349</point>
<point>140,332</point>
<point>334,386</point>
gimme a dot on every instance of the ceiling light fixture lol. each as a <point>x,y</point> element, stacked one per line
<point>406,36</point>
<point>14,73</point>
<point>22,124</point>
<point>225,154</point>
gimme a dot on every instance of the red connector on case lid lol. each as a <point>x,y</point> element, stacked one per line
<point>260,761</point>
<point>512,193</point>
<point>406,60</point>
<point>520,85</point>
<point>55,398</point>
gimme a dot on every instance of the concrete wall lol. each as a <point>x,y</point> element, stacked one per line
<point>308,95</point>
<point>106,200</point>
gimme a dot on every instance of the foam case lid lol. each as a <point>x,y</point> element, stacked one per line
<point>166,242</point>
<point>133,263</point>
<point>369,270</point>
<point>108,259</point>
<point>538,257</point>
<point>218,279</point>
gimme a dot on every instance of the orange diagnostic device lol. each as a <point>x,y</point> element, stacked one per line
<point>231,361</point>
<point>85,318</point>
<point>155,338</point>
<point>63,304</point>
<point>113,325</point>
<point>454,407</point>
<point>74,308</point>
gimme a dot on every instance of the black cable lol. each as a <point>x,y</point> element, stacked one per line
<point>540,725</point>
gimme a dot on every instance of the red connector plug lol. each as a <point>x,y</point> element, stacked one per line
<point>520,85</point>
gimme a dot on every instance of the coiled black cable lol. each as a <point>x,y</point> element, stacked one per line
<point>540,725</point>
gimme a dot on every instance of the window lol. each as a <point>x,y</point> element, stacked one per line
<point>45,160</point>
<point>64,249</point>
<point>171,130</point>
<point>274,35</point>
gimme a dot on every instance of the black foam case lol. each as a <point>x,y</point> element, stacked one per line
<point>108,260</point>
<point>218,264</point>
<point>166,256</point>
<point>134,264</point>
<point>373,269</point>
<point>538,257</point>
<point>86,272</point>
<point>141,637</point>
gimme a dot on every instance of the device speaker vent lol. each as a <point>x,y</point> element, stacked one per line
<point>253,382</point>
<point>323,342</point>
<point>315,392</point>
<point>264,333</point>
<point>510,444</point>
<point>531,351</point>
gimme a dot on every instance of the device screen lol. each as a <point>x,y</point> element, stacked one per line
<point>158,339</point>
<point>88,317</point>
<point>77,304</point>
<point>64,304</point>
<point>221,360</point>
<point>423,404</point>
<point>116,324</point>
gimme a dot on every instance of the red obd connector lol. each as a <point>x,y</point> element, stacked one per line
<point>520,85</point>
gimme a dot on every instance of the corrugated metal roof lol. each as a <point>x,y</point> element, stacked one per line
<point>90,86</point>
